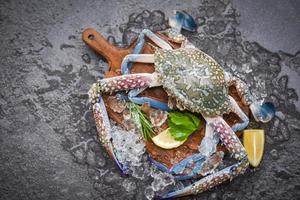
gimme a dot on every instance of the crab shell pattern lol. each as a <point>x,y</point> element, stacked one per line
<point>193,78</point>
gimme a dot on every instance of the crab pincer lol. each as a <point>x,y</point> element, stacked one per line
<point>103,129</point>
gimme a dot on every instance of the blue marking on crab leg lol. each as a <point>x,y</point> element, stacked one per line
<point>195,169</point>
<point>127,63</point>
<point>159,165</point>
<point>188,23</point>
<point>140,44</point>
<point>234,146</point>
<point>153,37</point>
<point>144,58</point>
<point>175,23</point>
<point>129,59</point>
<point>207,182</point>
<point>182,20</point>
<point>132,96</point>
<point>263,112</point>
<point>146,100</point>
<point>183,177</point>
<point>163,168</point>
<point>240,126</point>
<point>196,159</point>
<point>152,102</point>
<point>237,110</point>
<point>223,174</point>
<point>122,96</point>
<point>135,92</point>
<point>204,168</point>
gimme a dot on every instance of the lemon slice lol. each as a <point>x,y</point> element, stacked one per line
<point>254,141</point>
<point>166,141</point>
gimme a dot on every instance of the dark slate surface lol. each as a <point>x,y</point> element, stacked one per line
<point>48,148</point>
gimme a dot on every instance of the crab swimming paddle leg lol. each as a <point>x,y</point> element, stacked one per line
<point>234,146</point>
<point>261,112</point>
<point>183,20</point>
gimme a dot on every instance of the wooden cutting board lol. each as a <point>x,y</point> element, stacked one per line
<point>114,57</point>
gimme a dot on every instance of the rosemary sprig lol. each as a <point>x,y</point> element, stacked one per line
<point>140,119</point>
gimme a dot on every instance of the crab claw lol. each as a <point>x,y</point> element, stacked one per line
<point>123,168</point>
<point>104,129</point>
<point>183,20</point>
<point>263,112</point>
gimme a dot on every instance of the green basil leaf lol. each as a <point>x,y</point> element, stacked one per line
<point>182,128</point>
<point>179,118</point>
<point>195,119</point>
<point>179,133</point>
<point>182,124</point>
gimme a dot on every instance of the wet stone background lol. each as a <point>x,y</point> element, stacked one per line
<point>48,144</point>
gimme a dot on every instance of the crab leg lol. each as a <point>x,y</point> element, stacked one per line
<point>143,58</point>
<point>103,129</point>
<point>233,144</point>
<point>196,161</point>
<point>237,110</point>
<point>261,112</point>
<point>201,164</point>
<point>195,164</point>
<point>114,84</point>
<point>126,66</point>
<point>152,102</point>
<point>146,100</point>
<point>153,37</point>
<point>132,95</point>
<point>128,82</point>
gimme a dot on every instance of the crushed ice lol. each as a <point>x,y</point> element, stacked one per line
<point>130,150</point>
<point>128,145</point>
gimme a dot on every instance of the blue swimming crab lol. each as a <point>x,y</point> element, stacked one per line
<point>198,84</point>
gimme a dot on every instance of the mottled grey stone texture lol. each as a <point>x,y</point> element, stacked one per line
<point>48,144</point>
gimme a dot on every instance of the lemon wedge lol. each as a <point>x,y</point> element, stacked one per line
<point>166,141</point>
<point>254,141</point>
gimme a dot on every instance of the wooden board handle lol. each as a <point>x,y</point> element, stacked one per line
<point>97,42</point>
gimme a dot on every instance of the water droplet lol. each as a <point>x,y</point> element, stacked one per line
<point>149,193</point>
<point>66,46</point>
<point>86,58</point>
<point>274,154</point>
